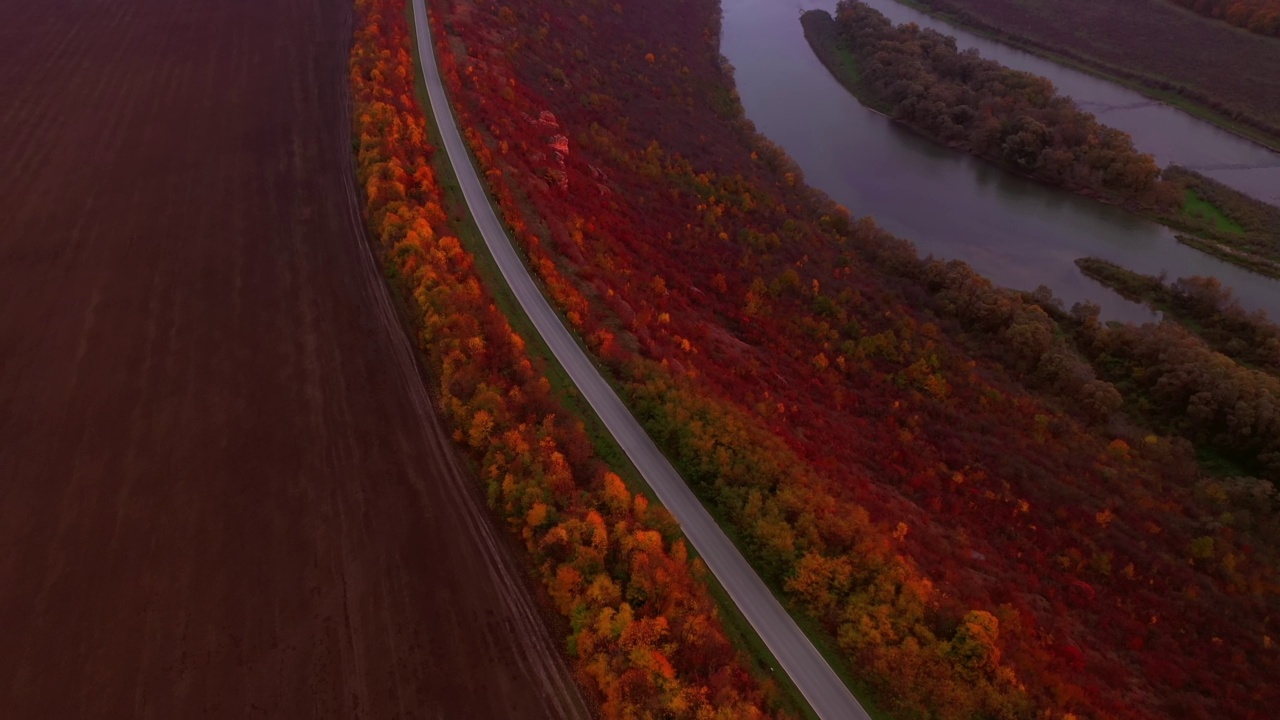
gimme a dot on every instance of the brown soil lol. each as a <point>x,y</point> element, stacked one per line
<point>223,491</point>
<point>1152,42</point>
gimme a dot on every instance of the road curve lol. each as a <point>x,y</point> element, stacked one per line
<point>807,668</point>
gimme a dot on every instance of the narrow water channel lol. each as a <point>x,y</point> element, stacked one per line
<point>1018,233</point>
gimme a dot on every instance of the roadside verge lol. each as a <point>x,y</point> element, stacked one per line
<point>795,653</point>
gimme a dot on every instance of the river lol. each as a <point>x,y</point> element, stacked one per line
<point>1019,233</point>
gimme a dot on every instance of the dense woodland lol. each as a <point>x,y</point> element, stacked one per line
<point>929,466</point>
<point>1211,375</point>
<point>1204,306</point>
<point>1017,120</point>
<point>1013,118</point>
<point>643,630</point>
<point>1154,45</point>
<point>1259,16</point>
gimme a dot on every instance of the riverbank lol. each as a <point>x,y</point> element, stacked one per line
<point>821,32</point>
<point>1155,68</point>
<point>1228,224</point>
<point>1202,306</point>
<point>1225,252</point>
<point>1134,286</point>
<point>1011,119</point>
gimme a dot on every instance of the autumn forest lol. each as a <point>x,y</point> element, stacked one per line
<point>961,100</point>
<point>984,503</point>
<point>1259,16</point>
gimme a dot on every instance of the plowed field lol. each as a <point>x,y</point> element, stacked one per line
<point>223,491</point>
<point>1155,42</point>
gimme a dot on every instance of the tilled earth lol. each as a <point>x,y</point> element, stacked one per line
<point>223,490</point>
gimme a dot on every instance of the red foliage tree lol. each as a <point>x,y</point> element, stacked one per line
<point>645,633</point>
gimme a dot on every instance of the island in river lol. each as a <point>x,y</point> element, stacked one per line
<point>1018,121</point>
<point>1203,306</point>
<point>1225,75</point>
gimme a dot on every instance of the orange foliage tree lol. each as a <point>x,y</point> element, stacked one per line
<point>919,460</point>
<point>644,632</point>
<point>1259,16</point>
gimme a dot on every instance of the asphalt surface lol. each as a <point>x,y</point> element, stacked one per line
<point>807,668</point>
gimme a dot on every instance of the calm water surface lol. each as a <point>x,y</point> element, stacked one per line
<point>1018,233</point>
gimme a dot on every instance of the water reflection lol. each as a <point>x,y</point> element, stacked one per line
<point>1016,232</point>
<point>1169,134</point>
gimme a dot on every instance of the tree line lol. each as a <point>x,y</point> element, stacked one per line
<point>1204,306</point>
<point>1248,228</point>
<point>924,464</point>
<point>644,634</point>
<point>1258,16</point>
<point>1013,118</point>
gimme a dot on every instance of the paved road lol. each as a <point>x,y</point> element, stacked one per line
<point>807,668</point>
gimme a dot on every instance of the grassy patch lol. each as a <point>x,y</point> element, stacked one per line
<point>820,32</point>
<point>1197,207</point>
<point>1217,464</point>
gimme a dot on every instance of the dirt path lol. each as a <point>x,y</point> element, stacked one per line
<point>222,491</point>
